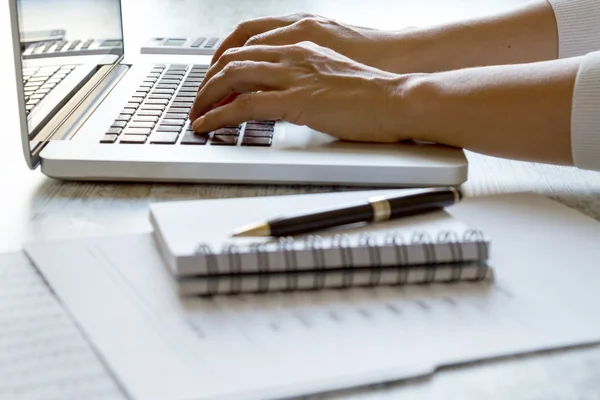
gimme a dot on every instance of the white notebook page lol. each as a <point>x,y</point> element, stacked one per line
<point>42,353</point>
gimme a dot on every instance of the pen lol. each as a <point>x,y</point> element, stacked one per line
<point>374,209</point>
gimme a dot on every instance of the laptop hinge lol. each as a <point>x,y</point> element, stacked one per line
<point>77,110</point>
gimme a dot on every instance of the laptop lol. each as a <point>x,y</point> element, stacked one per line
<point>89,111</point>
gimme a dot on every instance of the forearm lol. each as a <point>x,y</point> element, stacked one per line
<point>527,33</point>
<point>514,111</point>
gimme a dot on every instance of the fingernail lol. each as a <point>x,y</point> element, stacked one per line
<point>197,125</point>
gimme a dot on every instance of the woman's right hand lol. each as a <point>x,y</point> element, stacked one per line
<point>368,46</point>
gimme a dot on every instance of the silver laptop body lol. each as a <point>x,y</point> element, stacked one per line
<point>88,124</point>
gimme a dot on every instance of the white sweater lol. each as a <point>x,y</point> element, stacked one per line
<point>579,35</point>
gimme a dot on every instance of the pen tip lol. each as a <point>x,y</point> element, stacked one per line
<point>253,230</point>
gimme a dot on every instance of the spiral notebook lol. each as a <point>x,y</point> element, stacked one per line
<point>194,238</point>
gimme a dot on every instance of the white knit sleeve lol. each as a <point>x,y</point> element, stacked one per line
<point>585,114</point>
<point>578,24</point>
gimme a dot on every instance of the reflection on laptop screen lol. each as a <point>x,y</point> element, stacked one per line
<point>63,42</point>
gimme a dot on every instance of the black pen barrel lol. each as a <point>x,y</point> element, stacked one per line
<point>423,202</point>
<point>321,220</point>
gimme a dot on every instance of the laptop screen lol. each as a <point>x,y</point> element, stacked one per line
<point>62,44</point>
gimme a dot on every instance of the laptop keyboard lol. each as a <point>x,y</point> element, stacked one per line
<point>39,81</point>
<point>157,113</point>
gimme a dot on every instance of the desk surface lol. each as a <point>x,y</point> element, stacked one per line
<point>35,207</point>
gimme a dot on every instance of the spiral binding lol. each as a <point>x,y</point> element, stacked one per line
<point>315,245</point>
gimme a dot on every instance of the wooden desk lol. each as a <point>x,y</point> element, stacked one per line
<point>35,207</point>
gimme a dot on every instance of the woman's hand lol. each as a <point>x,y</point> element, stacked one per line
<point>304,84</point>
<point>365,45</point>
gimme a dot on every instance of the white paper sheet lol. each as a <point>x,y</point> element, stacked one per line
<point>42,353</point>
<point>162,346</point>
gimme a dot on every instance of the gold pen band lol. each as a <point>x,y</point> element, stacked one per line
<point>382,211</point>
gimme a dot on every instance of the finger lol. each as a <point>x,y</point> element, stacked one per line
<point>258,53</point>
<point>247,107</point>
<point>290,34</point>
<point>239,77</point>
<point>246,30</point>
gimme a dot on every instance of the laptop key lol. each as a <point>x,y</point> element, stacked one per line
<point>176,116</point>
<point>184,99</point>
<point>176,122</point>
<point>124,117</point>
<point>227,131</point>
<point>168,128</point>
<point>139,95</point>
<point>224,140</point>
<point>160,107</point>
<point>133,139</point>
<point>163,91</point>
<point>108,138</point>
<point>176,110</point>
<point>132,105</point>
<point>119,124</point>
<point>194,138</point>
<point>149,113</point>
<point>159,96</point>
<point>134,125</point>
<point>257,141</point>
<point>180,104</point>
<point>157,101</point>
<point>257,134</point>
<point>165,86</point>
<point>169,81</point>
<point>114,131</point>
<point>146,118</point>
<point>164,137</point>
<point>128,111</point>
<point>137,131</point>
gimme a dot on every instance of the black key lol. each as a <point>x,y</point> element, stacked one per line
<point>176,122</point>
<point>87,44</point>
<point>135,125</point>
<point>149,113</point>
<point>155,96</point>
<point>184,99</point>
<point>227,131</point>
<point>164,137</point>
<point>265,134</point>
<point>173,75</point>
<point>114,131</point>
<point>145,119</point>
<point>157,101</point>
<point>163,91</point>
<point>256,126</point>
<point>224,140</point>
<point>163,86</point>
<point>124,117</point>
<point>119,124</point>
<point>108,138</point>
<point>137,131</point>
<point>177,110</point>
<point>176,116</point>
<point>194,138</point>
<point>160,107</point>
<point>133,139</point>
<point>168,128</point>
<point>257,141</point>
<point>188,91</point>
<point>74,44</point>
<point>187,105</point>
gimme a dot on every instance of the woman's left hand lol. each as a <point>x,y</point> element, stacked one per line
<point>304,84</point>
